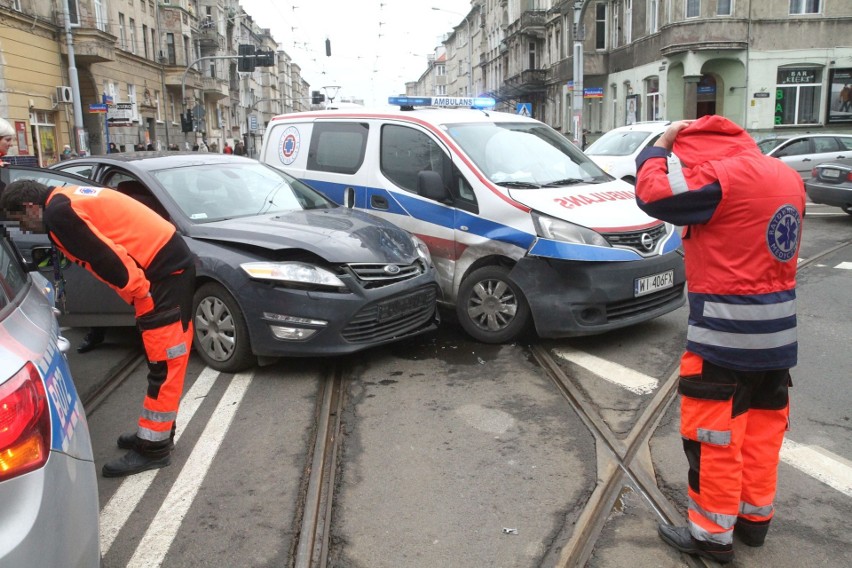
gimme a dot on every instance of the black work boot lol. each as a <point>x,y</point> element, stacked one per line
<point>681,539</point>
<point>751,533</point>
<point>92,339</point>
<point>128,440</point>
<point>135,462</point>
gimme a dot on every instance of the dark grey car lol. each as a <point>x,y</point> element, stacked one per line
<point>831,184</point>
<point>282,271</point>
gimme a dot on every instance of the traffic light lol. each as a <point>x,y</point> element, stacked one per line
<point>317,98</point>
<point>328,48</point>
<point>246,62</point>
<point>186,122</point>
<point>264,58</point>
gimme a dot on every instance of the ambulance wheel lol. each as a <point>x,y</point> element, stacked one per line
<point>490,307</point>
<point>221,334</point>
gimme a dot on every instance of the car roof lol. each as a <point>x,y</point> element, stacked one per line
<point>649,126</point>
<point>157,160</point>
<point>426,114</point>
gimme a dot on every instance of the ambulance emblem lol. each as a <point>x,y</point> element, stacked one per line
<point>782,234</point>
<point>288,146</point>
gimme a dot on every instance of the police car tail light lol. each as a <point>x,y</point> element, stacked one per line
<point>24,424</point>
<point>559,230</point>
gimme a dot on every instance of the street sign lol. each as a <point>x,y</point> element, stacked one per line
<point>120,114</point>
<point>524,109</point>
<point>98,108</point>
<point>252,122</point>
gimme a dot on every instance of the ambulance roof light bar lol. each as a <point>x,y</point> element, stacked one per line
<point>408,103</point>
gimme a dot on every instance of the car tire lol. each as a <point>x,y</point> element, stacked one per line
<point>847,209</point>
<point>221,334</point>
<point>490,307</point>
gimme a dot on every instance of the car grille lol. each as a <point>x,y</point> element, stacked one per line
<point>375,275</point>
<point>633,239</point>
<point>392,317</point>
<point>637,306</point>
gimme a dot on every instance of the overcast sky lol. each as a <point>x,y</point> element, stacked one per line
<point>376,46</point>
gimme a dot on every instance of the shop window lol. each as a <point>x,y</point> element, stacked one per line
<point>797,95</point>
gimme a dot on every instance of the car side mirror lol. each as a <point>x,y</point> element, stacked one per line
<point>42,258</point>
<point>431,186</point>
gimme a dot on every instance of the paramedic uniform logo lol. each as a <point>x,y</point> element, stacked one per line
<point>288,147</point>
<point>88,190</point>
<point>782,234</point>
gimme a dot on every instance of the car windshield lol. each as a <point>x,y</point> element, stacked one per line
<point>615,143</point>
<point>212,192</point>
<point>524,155</point>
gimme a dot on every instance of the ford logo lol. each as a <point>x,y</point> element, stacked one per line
<point>391,269</point>
<point>647,241</point>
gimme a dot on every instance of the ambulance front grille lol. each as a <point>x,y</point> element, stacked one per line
<point>644,242</point>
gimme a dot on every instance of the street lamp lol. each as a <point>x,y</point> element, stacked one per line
<point>469,49</point>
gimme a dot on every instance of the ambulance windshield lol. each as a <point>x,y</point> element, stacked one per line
<point>525,154</point>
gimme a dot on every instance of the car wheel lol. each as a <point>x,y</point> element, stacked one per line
<point>221,334</point>
<point>490,307</point>
<point>847,209</point>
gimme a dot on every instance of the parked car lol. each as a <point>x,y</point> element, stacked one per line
<point>831,184</point>
<point>615,152</point>
<point>48,483</point>
<point>805,151</point>
<point>282,270</point>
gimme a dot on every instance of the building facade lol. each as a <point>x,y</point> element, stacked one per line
<point>146,71</point>
<point>772,66</point>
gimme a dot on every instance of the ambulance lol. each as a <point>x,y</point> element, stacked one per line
<point>525,231</point>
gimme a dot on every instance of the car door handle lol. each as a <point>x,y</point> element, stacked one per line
<point>378,202</point>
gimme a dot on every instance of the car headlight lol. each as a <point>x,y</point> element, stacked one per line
<point>422,250</point>
<point>292,272</point>
<point>559,230</point>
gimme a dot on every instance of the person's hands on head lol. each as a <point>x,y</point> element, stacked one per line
<point>667,139</point>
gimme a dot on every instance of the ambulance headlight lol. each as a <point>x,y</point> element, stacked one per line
<point>422,250</point>
<point>559,230</point>
<point>295,273</point>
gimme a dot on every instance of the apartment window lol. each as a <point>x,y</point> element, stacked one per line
<point>440,70</point>
<point>724,7</point>
<point>187,49</point>
<point>600,26</point>
<point>171,55</point>
<point>532,55</point>
<point>157,99</point>
<point>122,37</point>
<point>155,45</point>
<point>797,95</point>
<point>441,90</point>
<point>693,8</point>
<point>628,21</point>
<point>100,15</point>
<point>616,29</point>
<point>653,16</point>
<point>132,35</point>
<point>652,99</point>
<point>145,38</point>
<point>805,6</point>
<point>131,98</point>
<point>73,11</point>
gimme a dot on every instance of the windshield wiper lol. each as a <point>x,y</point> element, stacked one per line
<point>522,184</point>
<point>566,181</point>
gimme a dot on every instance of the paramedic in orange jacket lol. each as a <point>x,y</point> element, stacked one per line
<point>742,216</point>
<point>141,256</point>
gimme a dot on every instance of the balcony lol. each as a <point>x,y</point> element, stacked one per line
<point>531,23</point>
<point>528,81</point>
<point>215,88</point>
<point>91,45</point>
<point>209,37</point>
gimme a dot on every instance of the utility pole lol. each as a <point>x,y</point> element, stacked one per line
<point>81,139</point>
<point>577,98</point>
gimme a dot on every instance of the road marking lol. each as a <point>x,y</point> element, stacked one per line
<point>845,265</point>
<point>124,501</point>
<point>161,532</point>
<point>629,379</point>
<point>821,464</point>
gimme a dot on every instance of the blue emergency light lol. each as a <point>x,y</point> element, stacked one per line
<point>443,102</point>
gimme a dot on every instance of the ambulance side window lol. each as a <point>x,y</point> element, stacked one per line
<point>338,147</point>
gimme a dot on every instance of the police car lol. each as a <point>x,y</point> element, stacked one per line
<point>523,228</point>
<point>48,484</point>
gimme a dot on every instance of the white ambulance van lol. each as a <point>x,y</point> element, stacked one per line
<point>523,228</point>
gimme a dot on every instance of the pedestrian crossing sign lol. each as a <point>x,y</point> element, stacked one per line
<point>524,109</point>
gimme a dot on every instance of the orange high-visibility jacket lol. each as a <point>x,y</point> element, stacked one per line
<point>118,239</point>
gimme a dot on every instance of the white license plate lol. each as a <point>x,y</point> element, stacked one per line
<point>653,283</point>
<point>831,173</point>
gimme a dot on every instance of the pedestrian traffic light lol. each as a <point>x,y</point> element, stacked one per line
<point>186,122</point>
<point>328,48</point>
<point>246,62</point>
<point>264,58</point>
<point>317,98</point>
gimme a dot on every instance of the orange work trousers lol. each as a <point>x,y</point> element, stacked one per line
<point>733,424</point>
<point>165,322</point>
